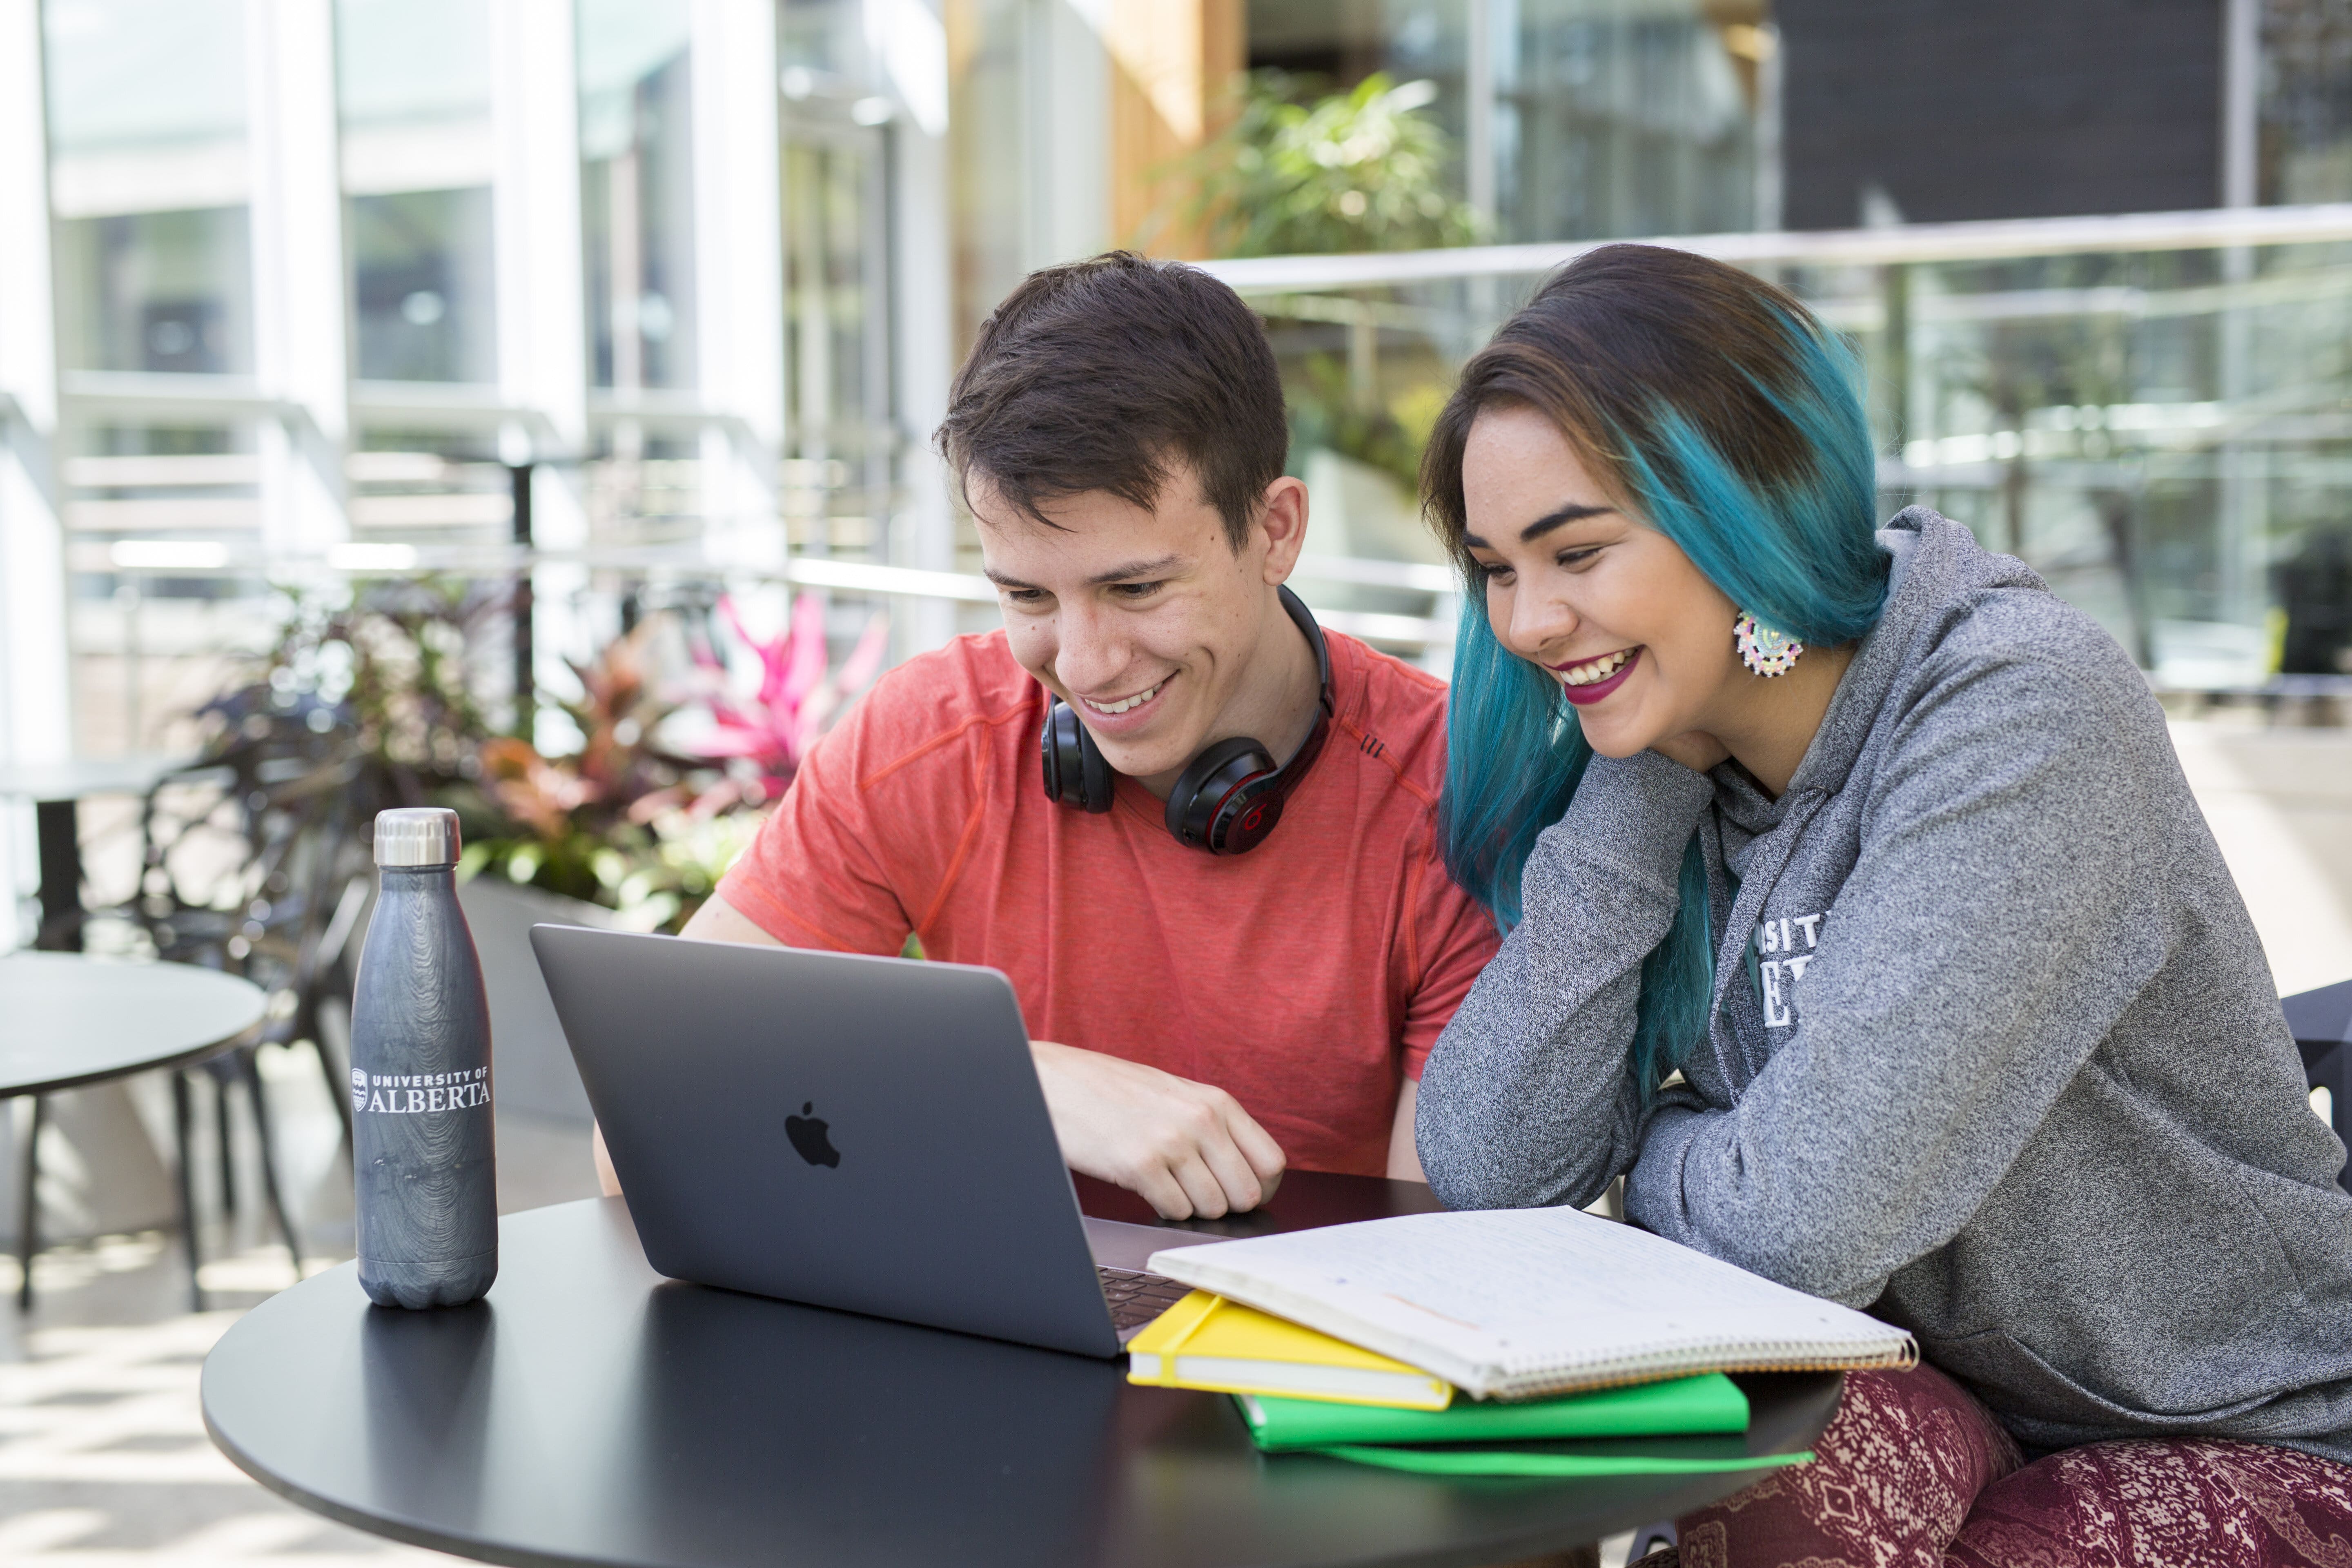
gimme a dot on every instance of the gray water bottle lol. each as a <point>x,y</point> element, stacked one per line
<point>423,1148</point>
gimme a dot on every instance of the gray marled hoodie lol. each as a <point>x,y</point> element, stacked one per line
<point>1994,1050</point>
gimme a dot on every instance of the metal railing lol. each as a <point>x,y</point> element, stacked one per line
<point>2154,410</point>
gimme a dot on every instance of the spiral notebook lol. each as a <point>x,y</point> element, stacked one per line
<point>1515,1303</point>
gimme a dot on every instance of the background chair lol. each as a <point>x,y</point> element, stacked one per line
<point>2322,1022</point>
<point>250,864</point>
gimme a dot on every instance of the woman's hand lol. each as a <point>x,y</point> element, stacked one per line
<point>1695,748</point>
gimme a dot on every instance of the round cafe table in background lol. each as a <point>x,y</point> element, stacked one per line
<point>588,1411</point>
<point>57,791</point>
<point>71,1021</point>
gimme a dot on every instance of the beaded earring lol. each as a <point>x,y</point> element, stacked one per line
<point>1762,649</point>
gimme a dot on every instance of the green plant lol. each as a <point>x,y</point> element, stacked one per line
<point>623,821</point>
<point>1363,170</point>
<point>582,825</point>
<point>1323,413</point>
<point>393,659</point>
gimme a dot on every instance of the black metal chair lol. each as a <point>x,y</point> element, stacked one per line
<point>2322,1022</point>
<point>268,810</point>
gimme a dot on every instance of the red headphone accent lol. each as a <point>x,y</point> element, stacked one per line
<point>1227,799</point>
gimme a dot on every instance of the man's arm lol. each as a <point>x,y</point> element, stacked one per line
<point>1186,1148</point>
<point>718,920</point>
<point>1404,1159</point>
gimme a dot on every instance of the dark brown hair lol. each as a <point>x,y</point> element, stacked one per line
<point>1104,375</point>
<point>1617,338</point>
<point>1717,409</point>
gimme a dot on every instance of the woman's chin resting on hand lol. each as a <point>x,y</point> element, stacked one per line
<point>1941,1002</point>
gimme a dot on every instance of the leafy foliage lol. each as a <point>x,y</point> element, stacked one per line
<point>1323,413</point>
<point>1363,170</point>
<point>798,693</point>
<point>626,821</point>
<point>394,657</point>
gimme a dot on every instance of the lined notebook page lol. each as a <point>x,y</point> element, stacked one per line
<point>1517,1303</point>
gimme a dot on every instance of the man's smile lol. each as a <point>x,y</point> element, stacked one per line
<point>1126,704</point>
<point>1118,717</point>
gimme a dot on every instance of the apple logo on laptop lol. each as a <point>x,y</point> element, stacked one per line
<point>808,1137</point>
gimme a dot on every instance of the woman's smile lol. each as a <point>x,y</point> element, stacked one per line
<point>1588,680</point>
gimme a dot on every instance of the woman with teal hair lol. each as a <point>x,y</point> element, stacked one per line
<point>1860,921</point>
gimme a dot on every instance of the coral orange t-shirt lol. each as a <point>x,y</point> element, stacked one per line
<point>1307,978</point>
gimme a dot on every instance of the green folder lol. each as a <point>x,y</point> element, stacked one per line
<point>1679,1407</point>
<point>1551,1461</point>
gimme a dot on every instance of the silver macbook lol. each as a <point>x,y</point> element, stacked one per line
<point>864,1133</point>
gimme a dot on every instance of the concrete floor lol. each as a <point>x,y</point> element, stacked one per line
<point>2279,801</point>
<point>103,1461</point>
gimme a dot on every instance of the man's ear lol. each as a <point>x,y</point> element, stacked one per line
<point>1283,516</point>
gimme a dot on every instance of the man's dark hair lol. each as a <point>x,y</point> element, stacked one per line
<point>1103,375</point>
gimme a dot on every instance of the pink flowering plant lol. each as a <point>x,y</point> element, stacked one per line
<point>647,815</point>
<point>769,731</point>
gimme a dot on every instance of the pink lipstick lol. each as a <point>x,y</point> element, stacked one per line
<point>1585,696</point>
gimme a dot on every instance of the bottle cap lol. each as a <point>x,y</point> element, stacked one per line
<point>416,836</point>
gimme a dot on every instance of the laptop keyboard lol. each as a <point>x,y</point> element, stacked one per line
<point>1136,1298</point>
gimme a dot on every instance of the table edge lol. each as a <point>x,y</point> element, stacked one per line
<point>180,1058</point>
<point>188,1058</point>
<point>387,1526</point>
<point>384,1526</point>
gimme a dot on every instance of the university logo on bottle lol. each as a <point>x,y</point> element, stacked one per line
<point>420,1093</point>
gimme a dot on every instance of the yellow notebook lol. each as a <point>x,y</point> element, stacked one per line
<point>1207,1342</point>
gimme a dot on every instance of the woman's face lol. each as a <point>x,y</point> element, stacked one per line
<point>1637,637</point>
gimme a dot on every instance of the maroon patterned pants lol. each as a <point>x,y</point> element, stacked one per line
<point>1914,1473</point>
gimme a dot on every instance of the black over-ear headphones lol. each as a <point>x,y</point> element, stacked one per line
<point>1229,797</point>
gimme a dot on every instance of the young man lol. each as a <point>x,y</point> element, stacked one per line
<point>1118,434</point>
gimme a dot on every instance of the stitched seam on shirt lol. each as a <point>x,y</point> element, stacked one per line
<point>963,844</point>
<point>936,741</point>
<point>1412,931</point>
<point>1387,758</point>
<point>789,918</point>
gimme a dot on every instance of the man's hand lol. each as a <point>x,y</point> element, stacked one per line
<point>608,1180</point>
<point>1189,1150</point>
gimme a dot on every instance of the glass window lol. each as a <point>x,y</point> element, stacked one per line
<point>991,159</point>
<point>836,268</point>
<point>824,37</point>
<point>2306,102</point>
<point>146,104</point>
<point>414,83</point>
<point>637,191</point>
<point>834,319</point>
<point>1602,117</point>
<point>1624,116</point>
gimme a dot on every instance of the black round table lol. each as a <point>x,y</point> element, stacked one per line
<point>57,791</point>
<point>72,1021</point>
<point>590,1412</point>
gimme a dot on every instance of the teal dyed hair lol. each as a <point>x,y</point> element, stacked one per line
<point>1728,420</point>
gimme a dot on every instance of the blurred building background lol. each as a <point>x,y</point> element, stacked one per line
<point>525,406</point>
<point>640,304</point>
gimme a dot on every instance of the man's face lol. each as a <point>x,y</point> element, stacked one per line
<point>1142,620</point>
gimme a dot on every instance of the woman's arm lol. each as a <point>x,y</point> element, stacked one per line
<point>1998,922</point>
<point>1525,1100</point>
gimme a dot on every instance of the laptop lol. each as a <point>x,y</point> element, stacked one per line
<point>854,1133</point>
